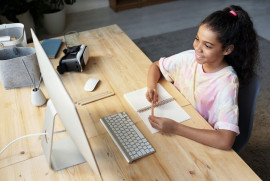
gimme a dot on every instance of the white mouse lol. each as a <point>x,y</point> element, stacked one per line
<point>91,84</point>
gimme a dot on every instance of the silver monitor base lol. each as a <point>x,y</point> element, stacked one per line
<point>61,153</point>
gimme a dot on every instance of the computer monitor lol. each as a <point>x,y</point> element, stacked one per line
<point>74,148</point>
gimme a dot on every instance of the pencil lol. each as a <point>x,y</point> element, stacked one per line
<point>152,109</point>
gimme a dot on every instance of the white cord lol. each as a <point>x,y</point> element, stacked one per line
<point>37,134</point>
<point>29,135</point>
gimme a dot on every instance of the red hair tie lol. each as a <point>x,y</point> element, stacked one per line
<point>233,13</point>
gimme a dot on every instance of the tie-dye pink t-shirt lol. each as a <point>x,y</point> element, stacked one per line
<point>215,96</point>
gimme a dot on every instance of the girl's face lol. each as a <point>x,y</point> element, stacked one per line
<point>208,50</point>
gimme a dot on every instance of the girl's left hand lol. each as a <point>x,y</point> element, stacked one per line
<point>165,125</point>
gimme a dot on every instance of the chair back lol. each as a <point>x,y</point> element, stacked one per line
<point>247,97</point>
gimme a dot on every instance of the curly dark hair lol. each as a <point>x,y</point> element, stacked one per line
<point>236,28</point>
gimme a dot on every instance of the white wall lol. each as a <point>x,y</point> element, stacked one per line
<point>84,5</point>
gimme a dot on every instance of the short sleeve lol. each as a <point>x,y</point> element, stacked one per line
<point>166,67</point>
<point>228,112</point>
<point>171,66</point>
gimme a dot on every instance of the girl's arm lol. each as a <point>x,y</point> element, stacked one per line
<point>222,139</point>
<point>152,80</point>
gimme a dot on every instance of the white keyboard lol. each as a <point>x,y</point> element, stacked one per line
<point>128,138</point>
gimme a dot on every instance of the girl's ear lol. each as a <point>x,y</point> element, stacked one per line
<point>229,49</point>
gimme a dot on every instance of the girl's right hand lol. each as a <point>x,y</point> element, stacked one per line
<point>152,95</point>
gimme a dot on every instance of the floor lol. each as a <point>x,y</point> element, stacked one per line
<point>166,17</point>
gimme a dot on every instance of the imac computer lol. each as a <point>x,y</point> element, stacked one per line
<point>74,148</point>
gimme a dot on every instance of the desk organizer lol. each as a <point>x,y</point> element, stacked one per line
<point>13,31</point>
<point>13,73</point>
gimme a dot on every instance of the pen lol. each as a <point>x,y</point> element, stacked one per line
<point>33,81</point>
<point>40,78</point>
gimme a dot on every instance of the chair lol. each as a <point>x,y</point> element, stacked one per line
<point>247,97</point>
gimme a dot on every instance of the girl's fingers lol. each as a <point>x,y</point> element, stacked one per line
<point>153,122</point>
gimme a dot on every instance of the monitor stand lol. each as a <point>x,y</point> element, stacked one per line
<point>62,153</point>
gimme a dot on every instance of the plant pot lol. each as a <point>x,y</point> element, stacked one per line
<point>54,23</point>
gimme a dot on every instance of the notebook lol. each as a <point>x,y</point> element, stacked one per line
<point>51,47</point>
<point>166,106</point>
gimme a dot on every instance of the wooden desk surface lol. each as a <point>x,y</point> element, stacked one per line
<point>121,67</point>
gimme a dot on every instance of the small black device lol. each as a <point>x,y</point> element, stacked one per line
<point>75,59</point>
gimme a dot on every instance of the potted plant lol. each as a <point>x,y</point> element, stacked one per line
<point>37,9</point>
<point>57,5</point>
<point>15,11</point>
<point>54,15</point>
<point>11,9</point>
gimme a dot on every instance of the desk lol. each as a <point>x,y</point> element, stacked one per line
<point>122,67</point>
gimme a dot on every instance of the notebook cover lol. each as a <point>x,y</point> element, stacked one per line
<point>51,47</point>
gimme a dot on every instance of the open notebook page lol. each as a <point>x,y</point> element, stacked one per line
<point>170,109</point>
<point>139,102</point>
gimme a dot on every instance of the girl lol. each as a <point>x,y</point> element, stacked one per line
<point>225,53</point>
